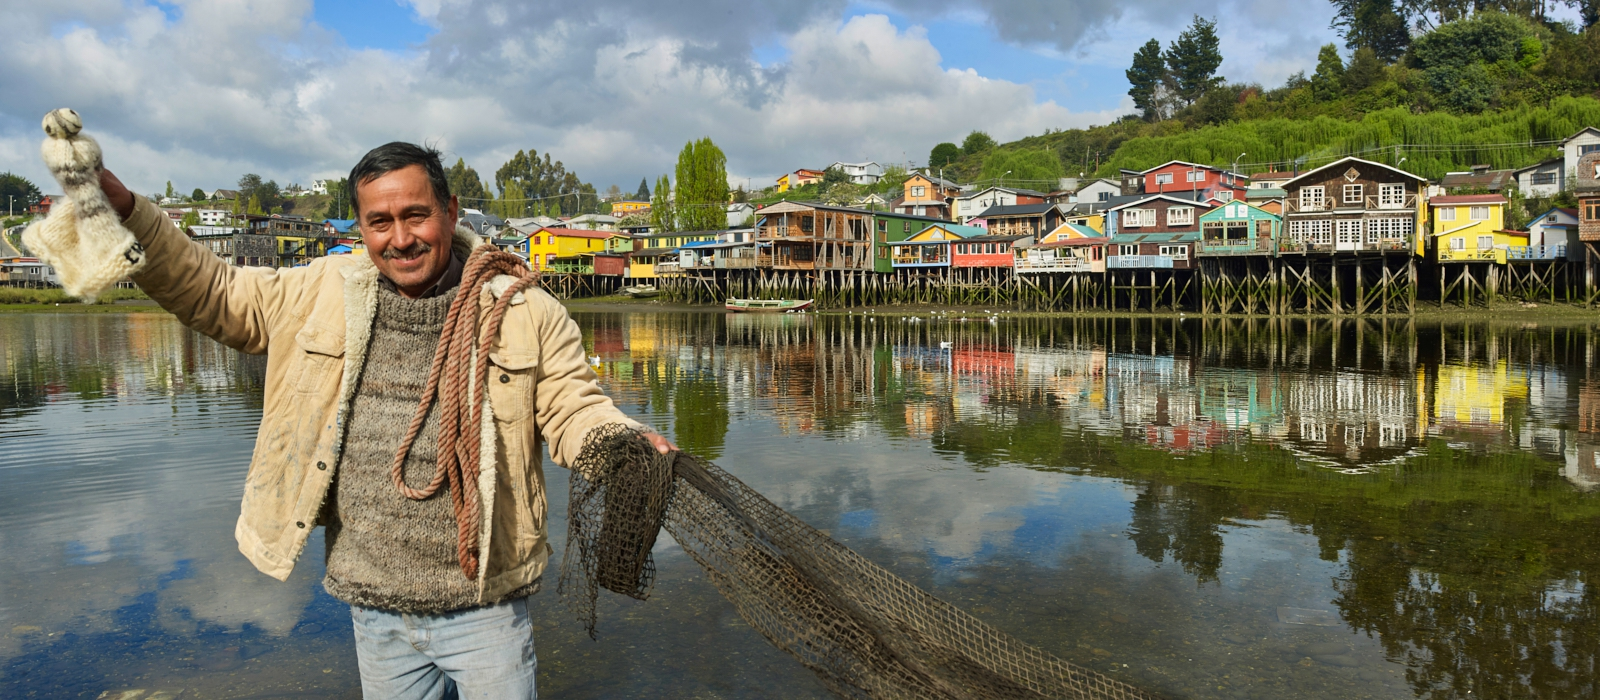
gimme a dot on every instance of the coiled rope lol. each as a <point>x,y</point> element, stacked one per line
<point>459,368</point>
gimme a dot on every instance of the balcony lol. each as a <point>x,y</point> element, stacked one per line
<point>1050,263</point>
<point>1472,255</point>
<point>1371,202</point>
<point>668,269</point>
<point>1261,245</point>
<point>1536,252</point>
<point>1139,262</point>
<point>568,268</point>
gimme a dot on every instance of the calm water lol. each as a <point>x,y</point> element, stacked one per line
<point>1222,510</point>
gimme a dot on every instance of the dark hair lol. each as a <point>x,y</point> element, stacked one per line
<point>393,156</point>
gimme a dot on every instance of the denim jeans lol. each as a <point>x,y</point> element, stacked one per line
<point>477,653</point>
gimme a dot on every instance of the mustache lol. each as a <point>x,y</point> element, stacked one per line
<point>415,249</point>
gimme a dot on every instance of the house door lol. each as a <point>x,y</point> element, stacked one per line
<point>1348,234</point>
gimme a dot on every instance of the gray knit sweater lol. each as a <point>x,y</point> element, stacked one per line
<point>385,550</point>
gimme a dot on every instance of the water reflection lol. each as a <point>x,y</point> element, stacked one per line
<point>1306,508</point>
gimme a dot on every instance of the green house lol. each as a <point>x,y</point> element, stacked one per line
<point>889,228</point>
<point>1239,228</point>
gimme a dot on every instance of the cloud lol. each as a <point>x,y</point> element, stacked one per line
<point>202,91</point>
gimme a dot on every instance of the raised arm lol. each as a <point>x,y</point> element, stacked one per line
<point>236,306</point>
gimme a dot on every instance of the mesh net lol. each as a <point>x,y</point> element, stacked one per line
<point>865,632</point>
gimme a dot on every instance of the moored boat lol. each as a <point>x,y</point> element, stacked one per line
<point>643,291</point>
<point>767,305</point>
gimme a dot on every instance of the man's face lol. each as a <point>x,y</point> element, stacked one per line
<point>406,231</point>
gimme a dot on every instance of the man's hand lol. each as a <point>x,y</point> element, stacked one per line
<point>662,444</point>
<point>121,199</point>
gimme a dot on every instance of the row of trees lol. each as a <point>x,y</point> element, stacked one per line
<point>699,201</point>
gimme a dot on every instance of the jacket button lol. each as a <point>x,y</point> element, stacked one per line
<point>300,525</point>
<point>505,379</point>
<point>322,465</point>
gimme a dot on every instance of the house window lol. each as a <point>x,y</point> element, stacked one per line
<point>806,223</point>
<point>1311,198</point>
<point>1544,179</point>
<point>1485,242</point>
<point>1391,194</point>
<point>1225,195</point>
<point>1194,176</point>
<point>1163,178</point>
<point>1447,214</point>
<point>1588,148</point>
<point>988,248</point>
<point>1127,250</point>
<point>1105,196</point>
<point>1480,213</point>
<point>883,226</point>
<point>1176,252</point>
<point>1353,193</point>
<point>550,259</point>
<point>1458,243</point>
<point>1140,217</point>
<point>905,227</point>
<point>1591,211</point>
<point>1180,216</point>
<point>918,191</point>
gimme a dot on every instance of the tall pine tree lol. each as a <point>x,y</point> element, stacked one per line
<point>701,200</point>
<point>1193,59</point>
<point>643,195</point>
<point>1379,25</point>
<point>1147,74</point>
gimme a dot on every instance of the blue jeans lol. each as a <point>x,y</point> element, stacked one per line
<point>478,653</point>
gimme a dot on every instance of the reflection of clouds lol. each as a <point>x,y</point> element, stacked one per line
<point>104,501</point>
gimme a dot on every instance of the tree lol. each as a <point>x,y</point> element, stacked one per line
<point>17,192</point>
<point>612,194</point>
<point>661,218</point>
<point>643,195</point>
<point>701,200</point>
<point>975,143</point>
<point>190,218</point>
<point>466,185</point>
<point>1373,24</point>
<point>339,200</point>
<point>1193,59</point>
<point>546,184</point>
<point>1365,70</point>
<point>265,193</point>
<point>943,154</point>
<point>1147,76</point>
<point>1328,82</point>
<point>170,192</point>
<point>198,195</point>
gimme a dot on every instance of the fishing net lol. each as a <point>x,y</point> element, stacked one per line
<point>865,632</point>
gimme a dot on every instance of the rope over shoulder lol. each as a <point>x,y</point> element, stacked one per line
<point>460,367</point>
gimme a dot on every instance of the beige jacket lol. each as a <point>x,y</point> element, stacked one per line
<point>313,323</point>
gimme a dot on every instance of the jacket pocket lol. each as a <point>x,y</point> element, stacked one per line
<point>320,359</point>
<point>511,380</point>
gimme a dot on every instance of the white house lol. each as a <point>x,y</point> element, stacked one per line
<point>592,222</point>
<point>860,173</point>
<point>740,214</point>
<point>213,217</point>
<point>1542,179</point>
<point>1098,191</point>
<point>971,204</point>
<point>319,187</point>
<point>1554,228</point>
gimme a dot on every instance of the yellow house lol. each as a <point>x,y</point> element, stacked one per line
<point>798,178</point>
<point>642,262</point>
<point>1471,228</point>
<point>547,245</point>
<point>626,207</point>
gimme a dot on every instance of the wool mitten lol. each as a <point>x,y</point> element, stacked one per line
<point>83,238</point>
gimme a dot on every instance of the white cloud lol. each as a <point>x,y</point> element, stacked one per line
<point>613,91</point>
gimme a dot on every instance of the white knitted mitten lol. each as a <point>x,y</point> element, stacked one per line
<point>83,238</point>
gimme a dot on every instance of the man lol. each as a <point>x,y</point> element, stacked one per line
<point>349,342</point>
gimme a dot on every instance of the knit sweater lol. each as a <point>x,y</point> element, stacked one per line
<point>385,550</point>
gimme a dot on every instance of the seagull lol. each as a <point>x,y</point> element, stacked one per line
<point>594,360</point>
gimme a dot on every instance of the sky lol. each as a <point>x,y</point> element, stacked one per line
<point>200,92</point>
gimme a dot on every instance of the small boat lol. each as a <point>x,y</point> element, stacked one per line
<point>767,305</point>
<point>643,291</point>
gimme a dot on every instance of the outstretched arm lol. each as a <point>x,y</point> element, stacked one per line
<point>236,306</point>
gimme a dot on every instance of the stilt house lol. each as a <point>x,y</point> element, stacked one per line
<point>1354,206</point>
<point>804,236</point>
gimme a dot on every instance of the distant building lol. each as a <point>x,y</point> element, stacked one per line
<point>798,178</point>
<point>926,195</point>
<point>213,217</point>
<point>971,204</point>
<point>223,194</point>
<point>593,222</point>
<point>1543,179</point>
<point>629,206</point>
<point>860,173</point>
<point>1480,177</point>
<point>741,214</point>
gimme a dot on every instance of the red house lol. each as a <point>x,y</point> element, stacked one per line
<point>1182,176</point>
<point>984,251</point>
<point>610,264</point>
<point>42,208</point>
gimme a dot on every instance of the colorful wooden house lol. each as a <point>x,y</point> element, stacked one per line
<point>986,250</point>
<point>1022,219</point>
<point>1471,228</point>
<point>642,262</point>
<point>548,247</point>
<point>1154,232</point>
<point>611,264</point>
<point>1071,247</point>
<point>1353,206</point>
<point>1552,235</point>
<point>892,227</point>
<point>805,236</point>
<point>1239,228</point>
<point>1177,176</point>
<point>1587,188</point>
<point>930,247</point>
<point>926,195</point>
